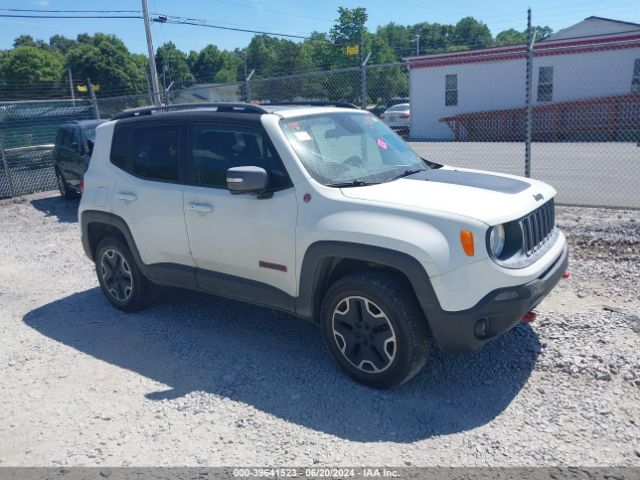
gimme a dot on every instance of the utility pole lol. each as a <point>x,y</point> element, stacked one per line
<point>73,95</point>
<point>152,58</point>
<point>417,40</point>
<point>529,106</point>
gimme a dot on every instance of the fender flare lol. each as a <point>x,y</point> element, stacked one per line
<point>315,263</point>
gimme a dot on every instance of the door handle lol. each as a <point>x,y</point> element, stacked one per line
<point>200,207</point>
<point>127,197</point>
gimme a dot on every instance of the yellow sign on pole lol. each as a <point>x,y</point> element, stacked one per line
<point>353,49</point>
<point>85,88</point>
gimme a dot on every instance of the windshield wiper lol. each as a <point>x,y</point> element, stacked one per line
<point>353,183</point>
<point>406,173</point>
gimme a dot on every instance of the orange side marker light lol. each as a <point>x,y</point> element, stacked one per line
<point>466,239</point>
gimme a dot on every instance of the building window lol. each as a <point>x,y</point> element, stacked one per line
<point>451,90</point>
<point>635,80</point>
<point>545,84</point>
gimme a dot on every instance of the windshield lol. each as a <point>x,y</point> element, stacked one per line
<point>399,108</point>
<point>90,133</point>
<point>343,147</point>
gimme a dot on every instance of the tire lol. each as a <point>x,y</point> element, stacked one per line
<point>384,341</point>
<point>63,187</point>
<point>120,279</point>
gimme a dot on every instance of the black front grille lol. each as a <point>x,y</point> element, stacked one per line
<point>537,227</point>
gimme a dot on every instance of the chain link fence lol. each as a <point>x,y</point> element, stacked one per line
<point>581,125</point>
<point>466,109</point>
<point>27,134</point>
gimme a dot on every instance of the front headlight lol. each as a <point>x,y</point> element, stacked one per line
<point>496,240</point>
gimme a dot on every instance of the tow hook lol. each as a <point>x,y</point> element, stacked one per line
<point>529,317</point>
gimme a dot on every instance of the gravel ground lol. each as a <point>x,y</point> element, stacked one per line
<point>197,380</point>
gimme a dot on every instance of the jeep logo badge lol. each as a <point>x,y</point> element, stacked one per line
<point>538,197</point>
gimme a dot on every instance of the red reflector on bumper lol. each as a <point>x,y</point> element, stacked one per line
<point>529,317</point>
<point>566,274</point>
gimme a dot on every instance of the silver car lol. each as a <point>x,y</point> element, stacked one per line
<point>397,117</point>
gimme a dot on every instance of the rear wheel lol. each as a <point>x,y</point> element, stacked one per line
<point>63,187</point>
<point>120,279</point>
<point>374,328</point>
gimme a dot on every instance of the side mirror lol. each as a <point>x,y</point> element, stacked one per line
<point>248,180</point>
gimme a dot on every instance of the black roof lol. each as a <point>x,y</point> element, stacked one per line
<point>84,124</point>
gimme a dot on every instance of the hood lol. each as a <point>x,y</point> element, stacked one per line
<point>491,198</point>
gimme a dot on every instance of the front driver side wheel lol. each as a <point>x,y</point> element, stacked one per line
<point>374,328</point>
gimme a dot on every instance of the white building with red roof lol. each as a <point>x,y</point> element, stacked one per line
<point>586,84</point>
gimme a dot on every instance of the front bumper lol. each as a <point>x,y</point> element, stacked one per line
<point>500,311</point>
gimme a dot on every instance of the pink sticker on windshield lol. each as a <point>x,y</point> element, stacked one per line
<point>381,143</point>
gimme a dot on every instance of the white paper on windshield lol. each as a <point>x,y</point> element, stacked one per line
<point>302,136</point>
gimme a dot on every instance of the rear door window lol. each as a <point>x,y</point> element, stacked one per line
<point>149,151</point>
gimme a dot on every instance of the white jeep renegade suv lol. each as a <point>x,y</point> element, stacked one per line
<point>322,212</point>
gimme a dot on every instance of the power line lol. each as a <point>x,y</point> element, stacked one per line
<point>208,25</point>
<point>66,11</point>
<point>4,15</point>
<point>175,22</point>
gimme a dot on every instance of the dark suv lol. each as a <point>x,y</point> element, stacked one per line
<point>71,155</point>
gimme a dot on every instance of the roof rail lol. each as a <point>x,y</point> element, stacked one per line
<point>220,107</point>
<point>314,103</point>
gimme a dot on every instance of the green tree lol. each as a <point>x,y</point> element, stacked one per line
<point>207,64</point>
<point>61,43</point>
<point>471,33</point>
<point>511,37</point>
<point>25,68</point>
<point>262,55</point>
<point>514,37</point>
<point>215,66</point>
<point>398,38</point>
<point>228,70</point>
<point>24,41</point>
<point>348,30</point>
<point>191,60</point>
<point>349,26</point>
<point>106,61</point>
<point>434,37</point>
<point>318,50</point>
<point>542,32</point>
<point>176,65</point>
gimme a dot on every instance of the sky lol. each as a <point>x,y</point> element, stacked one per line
<point>296,17</point>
